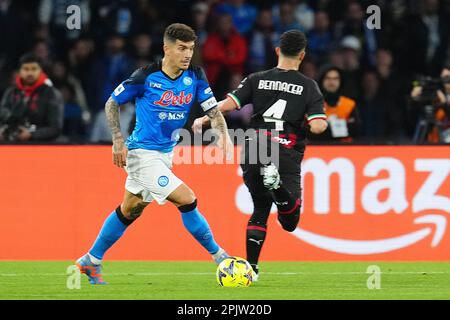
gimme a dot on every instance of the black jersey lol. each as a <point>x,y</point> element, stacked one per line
<point>283,100</point>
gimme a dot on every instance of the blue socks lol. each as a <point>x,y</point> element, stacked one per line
<point>197,225</point>
<point>116,224</point>
<point>113,228</point>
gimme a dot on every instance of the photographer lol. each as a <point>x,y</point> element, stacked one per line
<point>431,97</point>
<point>32,109</point>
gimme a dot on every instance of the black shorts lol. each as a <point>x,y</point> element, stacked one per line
<point>288,167</point>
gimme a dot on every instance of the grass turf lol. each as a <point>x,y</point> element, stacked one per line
<point>196,280</point>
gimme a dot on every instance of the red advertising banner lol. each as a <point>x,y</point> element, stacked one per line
<point>359,203</point>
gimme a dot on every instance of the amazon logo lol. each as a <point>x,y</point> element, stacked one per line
<point>369,205</point>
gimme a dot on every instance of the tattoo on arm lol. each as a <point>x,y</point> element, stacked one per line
<point>112,115</point>
<point>217,120</point>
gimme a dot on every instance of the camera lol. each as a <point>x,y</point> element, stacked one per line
<point>427,100</point>
<point>11,120</point>
<point>429,87</point>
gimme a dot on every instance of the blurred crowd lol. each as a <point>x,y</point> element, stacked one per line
<point>374,80</point>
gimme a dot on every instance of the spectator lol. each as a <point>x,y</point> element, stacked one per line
<point>224,54</point>
<point>42,50</point>
<point>143,50</point>
<point>341,111</point>
<point>426,38</point>
<point>108,71</point>
<point>53,19</point>
<point>62,78</point>
<point>302,14</point>
<point>286,20</point>
<point>200,12</point>
<point>263,41</point>
<point>351,71</point>
<point>320,37</point>
<point>80,61</point>
<point>309,68</point>
<point>31,110</point>
<point>243,14</point>
<point>112,17</point>
<point>148,17</point>
<point>393,87</point>
<point>355,25</point>
<point>74,127</point>
<point>374,109</point>
<point>12,44</point>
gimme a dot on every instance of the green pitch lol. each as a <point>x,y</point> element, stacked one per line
<point>197,280</point>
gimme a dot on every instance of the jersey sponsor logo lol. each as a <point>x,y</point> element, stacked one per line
<point>282,141</point>
<point>119,90</point>
<point>162,115</point>
<point>163,181</point>
<point>187,81</point>
<point>175,116</point>
<point>280,86</point>
<point>168,98</point>
<point>171,115</point>
<point>288,141</point>
<point>155,85</point>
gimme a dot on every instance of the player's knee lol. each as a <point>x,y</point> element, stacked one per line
<point>290,227</point>
<point>187,199</point>
<point>133,211</point>
<point>290,221</point>
<point>188,204</point>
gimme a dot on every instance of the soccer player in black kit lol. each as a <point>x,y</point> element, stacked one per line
<point>288,103</point>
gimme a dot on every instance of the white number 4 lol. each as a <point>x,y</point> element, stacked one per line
<point>275,112</point>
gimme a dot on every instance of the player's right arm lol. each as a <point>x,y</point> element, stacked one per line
<point>127,91</point>
<point>119,149</point>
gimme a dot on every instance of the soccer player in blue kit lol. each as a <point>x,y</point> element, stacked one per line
<point>164,93</point>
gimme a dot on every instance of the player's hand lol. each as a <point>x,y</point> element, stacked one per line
<point>226,145</point>
<point>119,151</point>
<point>197,126</point>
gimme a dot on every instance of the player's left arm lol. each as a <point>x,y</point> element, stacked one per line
<point>224,106</point>
<point>315,111</point>
<point>218,123</point>
<point>209,105</point>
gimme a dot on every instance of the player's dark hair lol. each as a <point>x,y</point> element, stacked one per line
<point>292,42</point>
<point>179,31</point>
<point>30,58</point>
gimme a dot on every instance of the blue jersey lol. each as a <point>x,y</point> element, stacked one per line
<point>162,104</point>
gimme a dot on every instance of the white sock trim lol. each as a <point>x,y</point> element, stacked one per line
<point>94,259</point>
<point>218,253</point>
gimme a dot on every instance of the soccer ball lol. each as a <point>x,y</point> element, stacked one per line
<point>234,272</point>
